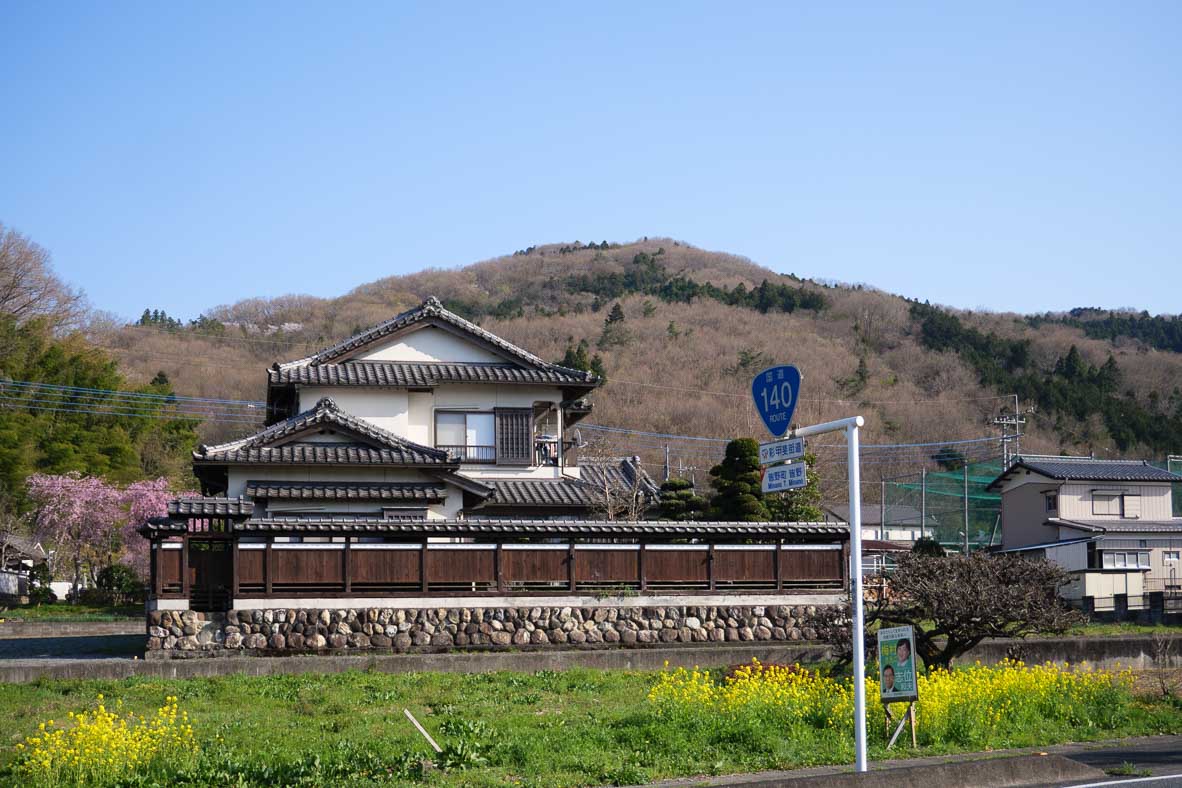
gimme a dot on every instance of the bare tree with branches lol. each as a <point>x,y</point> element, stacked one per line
<point>28,286</point>
<point>626,500</point>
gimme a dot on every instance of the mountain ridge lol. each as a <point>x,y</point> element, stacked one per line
<point>694,326</point>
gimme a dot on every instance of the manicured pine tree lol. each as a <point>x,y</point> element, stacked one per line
<point>736,481</point>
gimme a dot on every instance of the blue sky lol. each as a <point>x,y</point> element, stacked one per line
<point>1013,156</point>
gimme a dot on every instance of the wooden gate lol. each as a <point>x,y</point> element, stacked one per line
<point>211,572</point>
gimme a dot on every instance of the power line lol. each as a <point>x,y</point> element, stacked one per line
<point>90,411</point>
<point>135,394</point>
<point>879,446</point>
<point>611,380</point>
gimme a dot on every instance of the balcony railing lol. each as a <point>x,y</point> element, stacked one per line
<point>472,453</point>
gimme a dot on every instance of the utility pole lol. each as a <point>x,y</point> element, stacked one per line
<point>923,502</point>
<point>667,462</point>
<point>882,510</point>
<point>966,508</point>
<point>1015,420</point>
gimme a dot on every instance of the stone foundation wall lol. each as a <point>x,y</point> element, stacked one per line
<point>182,633</point>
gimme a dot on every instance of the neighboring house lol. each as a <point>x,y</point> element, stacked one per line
<point>903,523</point>
<point>425,416</point>
<point>18,556</point>
<point>1109,522</point>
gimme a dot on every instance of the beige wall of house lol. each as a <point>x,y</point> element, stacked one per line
<point>1023,512</point>
<point>1070,557</point>
<point>1104,585</point>
<point>1140,501</point>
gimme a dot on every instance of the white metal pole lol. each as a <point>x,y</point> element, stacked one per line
<point>850,426</point>
<point>855,474</point>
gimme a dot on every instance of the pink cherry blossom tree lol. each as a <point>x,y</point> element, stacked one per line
<point>78,517</point>
<point>144,500</point>
<point>90,523</point>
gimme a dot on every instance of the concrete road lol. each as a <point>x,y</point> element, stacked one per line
<point>1153,761</point>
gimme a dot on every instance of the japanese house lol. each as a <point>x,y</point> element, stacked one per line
<point>426,457</point>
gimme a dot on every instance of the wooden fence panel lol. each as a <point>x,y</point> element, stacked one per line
<point>526,567</point>
<point>800,566</point>
<point>607,567</point>
<point>307,568</point>
<point>169,562</point>
<point>380,569</point>
<point>745,568</point>
<point>676,568</point>
<point>461,570</point>
<point>250,569</point>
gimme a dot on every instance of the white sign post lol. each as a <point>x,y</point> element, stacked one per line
<point>850,428</point>
<point>775,391</point>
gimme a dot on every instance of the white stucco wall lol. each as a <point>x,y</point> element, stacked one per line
<point>428,344</point>
<point>385,408</point>
<point>411,415</point>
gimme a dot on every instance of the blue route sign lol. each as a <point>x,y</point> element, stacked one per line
<point>775,391</point>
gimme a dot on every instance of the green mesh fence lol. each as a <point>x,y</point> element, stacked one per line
<point>1174,465</point>
<point>934,505</point>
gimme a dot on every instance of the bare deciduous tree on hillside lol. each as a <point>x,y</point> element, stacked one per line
<point>28,286</point>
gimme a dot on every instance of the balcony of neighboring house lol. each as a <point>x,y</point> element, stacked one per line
<point>504,436</point>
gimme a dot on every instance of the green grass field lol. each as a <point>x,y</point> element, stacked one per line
<point>65,612</point>
<point>579,727</point>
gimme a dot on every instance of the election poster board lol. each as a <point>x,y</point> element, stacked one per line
<point>896,665</point>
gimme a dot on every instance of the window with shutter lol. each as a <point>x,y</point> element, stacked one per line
<point>514,436</point>
<point>1132,506</point>
<point>1105,504</point>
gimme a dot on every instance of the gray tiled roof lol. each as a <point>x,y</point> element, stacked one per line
<point>620,474</point>
<point>540,492</point>
<point>210,507</point>
<point>425,375</point>
<point>165,525</point>
<point>430,310</point>
<point>24,546</point>
<point>1090,470</point>
<point>390,449</point>
<point>323,454</point>
<point>547,528</point>
<point>1122,526</point>
<point>340,491</point>
<point>586,491</point>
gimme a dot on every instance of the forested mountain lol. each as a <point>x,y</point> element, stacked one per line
<point>54,415</point>
<point>679,331</point>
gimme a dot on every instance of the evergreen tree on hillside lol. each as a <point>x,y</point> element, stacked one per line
<point>736,481</point>
<point>576,355</point>
<point>597,367</point>
<point>614,332</point>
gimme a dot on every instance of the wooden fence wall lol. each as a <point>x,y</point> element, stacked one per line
<point>352,568</point>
